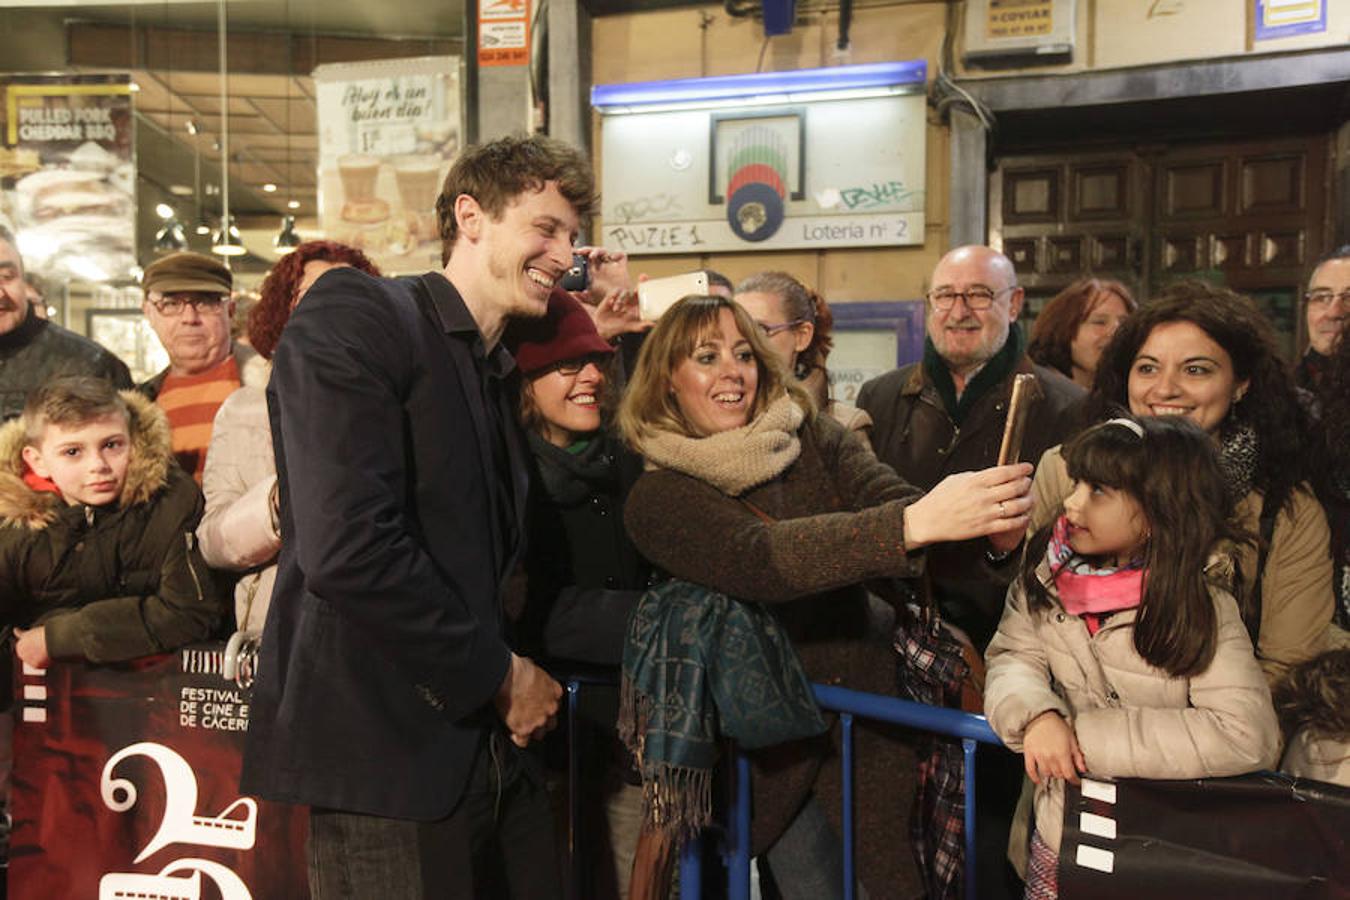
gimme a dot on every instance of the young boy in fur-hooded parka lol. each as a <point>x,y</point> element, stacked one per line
<point>98,557</point>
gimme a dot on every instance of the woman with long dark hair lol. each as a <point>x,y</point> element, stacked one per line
<point>1208,354</point>
<point>239,530</point>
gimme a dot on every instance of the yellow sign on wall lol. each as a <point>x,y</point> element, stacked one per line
<point>1019,18</point>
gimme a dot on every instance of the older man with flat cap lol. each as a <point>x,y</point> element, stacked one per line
<point>187,300</point>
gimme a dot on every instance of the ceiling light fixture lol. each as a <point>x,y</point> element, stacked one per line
<point>761,88</point>
<point>171,238</point>
<point>228,241</point>
<point>292,204</point>
<point>269,188</point>
<point>286,239</point>
<point>164,211</point>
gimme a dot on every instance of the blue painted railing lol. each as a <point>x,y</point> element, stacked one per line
<point>735,849</point>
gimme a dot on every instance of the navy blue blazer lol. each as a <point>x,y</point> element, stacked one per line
<point>384,643</point>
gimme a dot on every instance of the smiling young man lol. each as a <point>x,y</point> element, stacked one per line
<point>388,698</point>
<point>945,414</point>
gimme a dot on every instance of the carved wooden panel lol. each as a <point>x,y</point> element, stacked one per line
<point>1282,248</point>
<point>1066,255</point>
<point>1031,195</point>
<point>1110,252</point>
<point>1229,251</point>
<point>1181,254</point>
<point>1099,192</point>
<point>1272,184</point>
<point>1022,252</point>
<point>1194,190</point>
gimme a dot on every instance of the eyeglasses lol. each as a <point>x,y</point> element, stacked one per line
<point>1325,298</point>
<point>173,304</point>
<point>770,330</point>
<point>574,366</point>
<point>976,298</point>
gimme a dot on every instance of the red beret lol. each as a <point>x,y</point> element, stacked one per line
<point>565,332</point>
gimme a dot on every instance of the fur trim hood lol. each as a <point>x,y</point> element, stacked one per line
<point>148,471</point>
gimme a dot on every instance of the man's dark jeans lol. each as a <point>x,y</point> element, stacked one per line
<point>497,843</point>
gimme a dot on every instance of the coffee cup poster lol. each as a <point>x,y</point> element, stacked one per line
<point>807,175</point>
<point>387,133</point>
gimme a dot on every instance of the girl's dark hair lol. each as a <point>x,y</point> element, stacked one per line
<point>1173,473</point>
<point>799,302</point>
<point>1057,324</point>
<point>273,309</point>
<point>1316,695</point>
<point>1270,404</point>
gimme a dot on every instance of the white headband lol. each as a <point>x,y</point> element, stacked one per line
<point>1127,423</point>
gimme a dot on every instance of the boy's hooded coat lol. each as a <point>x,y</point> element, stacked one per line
<point>111,582</point>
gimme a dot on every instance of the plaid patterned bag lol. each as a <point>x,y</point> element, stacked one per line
<point>939,666</point>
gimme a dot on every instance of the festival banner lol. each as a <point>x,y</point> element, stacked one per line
<point>387,133</point>
<point>126,784</point>
<point>68,174</point>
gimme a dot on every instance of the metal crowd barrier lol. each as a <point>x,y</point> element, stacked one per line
<point>735,843</point>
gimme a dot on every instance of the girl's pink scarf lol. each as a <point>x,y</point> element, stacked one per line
<point>1092,593</point>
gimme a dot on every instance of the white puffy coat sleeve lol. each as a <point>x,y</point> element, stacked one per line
<point>1017,685</point>
<point>1229,728</point>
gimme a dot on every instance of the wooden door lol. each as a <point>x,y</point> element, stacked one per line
<point>1249,215</point>
<point>1246,214</point>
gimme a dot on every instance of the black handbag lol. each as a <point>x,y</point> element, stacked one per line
<point>1264,835</point>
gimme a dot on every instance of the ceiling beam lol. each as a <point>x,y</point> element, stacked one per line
<point>103,45</point>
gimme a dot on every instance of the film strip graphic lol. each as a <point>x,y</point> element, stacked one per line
<point>34,694</point>
<point>1100,827</point>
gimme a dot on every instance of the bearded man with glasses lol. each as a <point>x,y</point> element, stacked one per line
<point>943,415</point>
<point>187,301</point>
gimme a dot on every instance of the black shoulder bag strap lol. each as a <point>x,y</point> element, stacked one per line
<point>1267,534</point>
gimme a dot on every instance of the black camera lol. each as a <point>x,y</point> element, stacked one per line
<point>577,278</point>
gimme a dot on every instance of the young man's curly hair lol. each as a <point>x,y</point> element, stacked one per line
<point>496,172</point>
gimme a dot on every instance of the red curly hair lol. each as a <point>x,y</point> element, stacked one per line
<point>270,314</point>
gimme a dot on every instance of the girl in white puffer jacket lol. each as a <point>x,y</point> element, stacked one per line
<point>1121,651</point>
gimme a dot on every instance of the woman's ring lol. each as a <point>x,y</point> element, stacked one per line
<point>1001,513</point>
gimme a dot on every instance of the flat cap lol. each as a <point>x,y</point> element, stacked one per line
<point>187,272</point>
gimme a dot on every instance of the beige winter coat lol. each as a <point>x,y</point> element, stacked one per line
<point>1296,598</point>
<point>237,533</point>
<point>1131,719</point>
<point>1320,758</point>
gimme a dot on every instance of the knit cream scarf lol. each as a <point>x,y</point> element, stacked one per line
<point>737,460</point>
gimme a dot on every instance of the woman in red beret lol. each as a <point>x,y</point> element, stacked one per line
<point>583,573</point>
